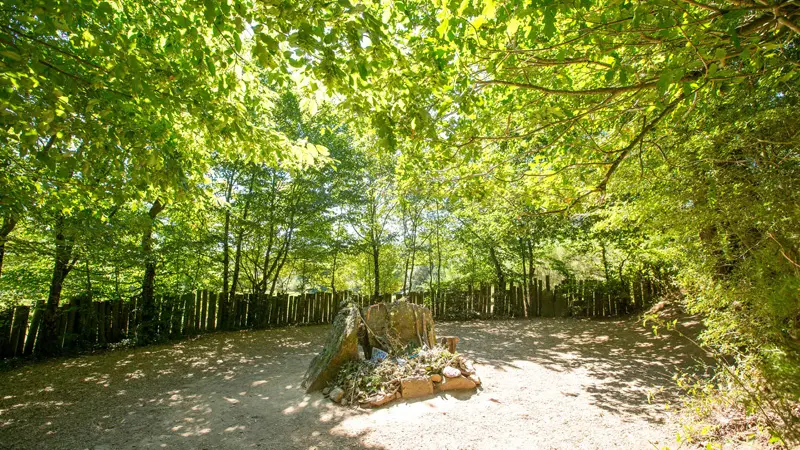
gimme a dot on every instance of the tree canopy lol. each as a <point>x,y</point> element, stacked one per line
<point>388,147</point>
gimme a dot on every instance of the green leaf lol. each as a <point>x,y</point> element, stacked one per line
<point>442,28</point>
<point>489,10</point>
<point>549,22</point>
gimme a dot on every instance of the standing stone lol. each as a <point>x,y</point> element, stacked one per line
<point>394,325</point>
<point>342,346</point>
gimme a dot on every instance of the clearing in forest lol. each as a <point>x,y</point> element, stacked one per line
<point>548,383</point>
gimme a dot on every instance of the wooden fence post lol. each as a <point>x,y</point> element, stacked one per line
<point>211,324</point>
<point>36,320</point>
<point>203,312</point>
<point>100,313</point>
<point>6,318</point>
<point>187,301</point>
<point>18,329</point>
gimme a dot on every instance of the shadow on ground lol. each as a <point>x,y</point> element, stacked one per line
<point>624,358</point>
<point>241,390</point>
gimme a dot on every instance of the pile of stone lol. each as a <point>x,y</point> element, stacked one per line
<point>369,384</point>
<point>401,357</point>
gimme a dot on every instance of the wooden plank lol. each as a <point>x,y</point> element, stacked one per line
<point>173,327</point>
<point>35,322</point>
<point>242,311</point>
<point>198,311</point>
<point>233,311</point>
<point>167,310</point>
<point>211,320</point>
<point>251,311</point>
<point>18,329</point>
<point>89,321</point>
<point>116,320</point>
<point>222,311</point>
<point>203,312</point>
<point>63,319</point>
<point>6,318</point>
<point>100,313</point>
<point>275,314</point>
<point>187,302</point>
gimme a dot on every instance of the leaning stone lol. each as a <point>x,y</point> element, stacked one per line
<point>342,346</point>
<point>336,394</point>
<point>456,384</point>
<point>416,387</point>
<point>451,372</point>
<point>436,378</point>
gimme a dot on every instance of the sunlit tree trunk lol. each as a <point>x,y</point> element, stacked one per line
<point>9,222</point>
<point>48,341</point>
<point>147,330</point>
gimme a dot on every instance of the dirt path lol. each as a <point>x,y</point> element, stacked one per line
<point>547,384</point>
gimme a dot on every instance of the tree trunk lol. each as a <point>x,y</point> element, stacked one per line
<point>9,222</point>
<point>525,286</point>
<point>49,343</point>
<point>333,269</point>
<point>377,271</point>
<point>411,271</point>
<point>430,280</point>
<point>500,298</point>
<point>282,258</point>
<point>405,275</point>
<point>605,263</point>
<point>501,276</point>
<point>532,285</point>
<point>237,259</point>
<point>147,331</point>
<point>226,257</point>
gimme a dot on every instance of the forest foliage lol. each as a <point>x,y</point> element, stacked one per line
<point>262,147</point>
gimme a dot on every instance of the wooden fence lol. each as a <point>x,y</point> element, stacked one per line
<point>85,324</point>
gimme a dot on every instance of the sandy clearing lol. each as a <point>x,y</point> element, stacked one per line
<point>548,383</point>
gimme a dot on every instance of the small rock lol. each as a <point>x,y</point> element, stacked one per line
<point>475,379</point>
<point>451,372</point>
<point>416,387</point>
<point>456,384</point>
<point>398,395</point>
<point>326,391</point>
<point>336,394</point>
<point>345,402</point>
<point>436,378</point>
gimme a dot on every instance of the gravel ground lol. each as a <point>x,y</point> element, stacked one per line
<point>547,383</point>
